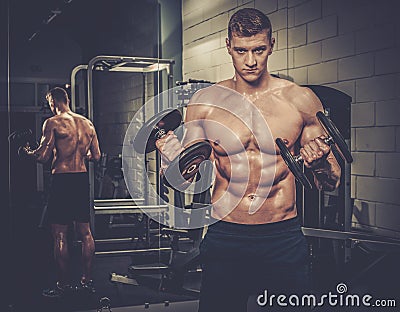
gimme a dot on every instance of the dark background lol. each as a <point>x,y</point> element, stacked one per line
<point>43,41</point>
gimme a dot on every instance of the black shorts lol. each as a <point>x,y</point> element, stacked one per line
<point>241,260</point>
<point>69,198</point>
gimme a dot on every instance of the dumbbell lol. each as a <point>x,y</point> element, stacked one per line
<point>187,163</point>
<point>334,139</point>
<point>22,139</point>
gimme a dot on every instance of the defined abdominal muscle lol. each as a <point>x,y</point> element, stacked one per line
<point>268,195</point>
<point>249,169</point>
<point>253,208</point>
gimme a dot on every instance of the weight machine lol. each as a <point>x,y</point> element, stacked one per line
<point>177,261</point>
<point>170,273</point>
<point>128,64</point>
<point>327,216</point>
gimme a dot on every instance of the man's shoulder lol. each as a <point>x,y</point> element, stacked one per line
<point>287,86</point>
<point>51,121</point>
<point>82,118</point>
<point>228,83</point>
<point>302,97</point>
<point>299,94</point>
<point>207,95</point>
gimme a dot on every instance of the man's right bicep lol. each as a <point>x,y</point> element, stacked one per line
<point>194,125</point>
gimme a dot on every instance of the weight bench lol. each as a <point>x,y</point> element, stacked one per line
<point>171,275</point>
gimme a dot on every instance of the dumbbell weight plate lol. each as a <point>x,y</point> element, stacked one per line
<point>187,164</point>
<point>292,164</point>
<point>337,137</point>
<point>21,137</point>
<point>169,119</point>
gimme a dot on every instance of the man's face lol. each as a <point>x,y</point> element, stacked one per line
<point>50,100</point>
<point>250,55</point>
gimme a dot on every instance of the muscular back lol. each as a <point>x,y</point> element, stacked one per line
<point>71,138</point>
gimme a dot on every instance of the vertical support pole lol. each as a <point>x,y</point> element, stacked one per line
<point>91,164</point>
<point>146,158</point>
<point>177,197</point>
<point>73,84</point>
<point>348,207</point>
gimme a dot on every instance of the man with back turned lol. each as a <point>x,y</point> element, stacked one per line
<point>71,139</point>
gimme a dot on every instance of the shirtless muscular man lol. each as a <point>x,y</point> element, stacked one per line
<point>245,253</point>
<point>71,139</point>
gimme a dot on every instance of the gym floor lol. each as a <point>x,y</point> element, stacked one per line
<point>34,270</point>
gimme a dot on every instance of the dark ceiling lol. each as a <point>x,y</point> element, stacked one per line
<point>77,19</point>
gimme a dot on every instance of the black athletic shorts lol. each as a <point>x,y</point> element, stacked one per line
<point>69,198</point>
<point>242,260</point>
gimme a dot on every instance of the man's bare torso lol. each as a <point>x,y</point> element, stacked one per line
<point>253,185</point>
<point>73,136</point>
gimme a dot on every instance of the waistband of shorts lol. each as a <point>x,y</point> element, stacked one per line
<point>255,229</point>
<point>65,174</point>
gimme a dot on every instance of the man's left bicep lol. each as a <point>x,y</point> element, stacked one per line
<point>48,137</point>
<point>47,142</point>
<point>310,132</point>
<point>312,127</point>
<point>193,125</point>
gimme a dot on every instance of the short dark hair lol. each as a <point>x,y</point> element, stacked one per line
<point>58,94</point>
<point>248,22</point>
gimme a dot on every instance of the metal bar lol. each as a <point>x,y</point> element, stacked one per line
<point>348,208</point>
<point>121,225</point>
<point>126,240</point>
<point>91,166</point>
<point>148,69</point>
<point>129,210</point>
<point>22,109</point>
<point>131,251</point>
<point>73,84</point>
<point>342,235</point>
<point>142,207</point>
<point>171,75</point>
<point>119,204</point>
<point>59,81</point>
<point>90,86</point>
<point>91,196</point>
<point>115,240</point>
<point>114,211</point>
<point>111,240</point>
<point>347,195</point>
<point>146,156</point>
<point>102,202</point>
<point>133,59</point>
<point>112,200</point>
<point>123,60</point>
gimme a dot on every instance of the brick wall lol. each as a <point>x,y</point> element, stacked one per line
<point>349,45</point>
<point>119,96</point>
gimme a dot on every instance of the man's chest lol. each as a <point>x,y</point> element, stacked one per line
<point>252,127</point>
